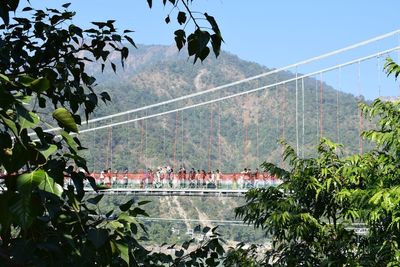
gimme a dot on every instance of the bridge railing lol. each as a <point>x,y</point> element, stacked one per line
<point>229,181</point>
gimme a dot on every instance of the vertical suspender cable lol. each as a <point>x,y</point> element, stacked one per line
<point>338,107</point>
<point>111,148</point>
<point>93,149</point>
<point>283,110</point>
<point>182,134</point>
<point>284,106</point>
<point>142,141</point>
<point>297,115</point>
<point>129,146</point>
<point>210,138</point>
<point>277,108</point>
<point>164,138</point>
<point>107,148</point>
<point>317,109</point>
<point>145,138</point>
<point>219,136</point>
<point>246,139</point>
<point>359,110</point>
<point>378,65</point>
<point>257,128</point>
<point>175,137</point>
<point>303,118</point>
<point>321,120</point>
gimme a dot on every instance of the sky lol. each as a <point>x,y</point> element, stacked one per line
<point>271,33</point>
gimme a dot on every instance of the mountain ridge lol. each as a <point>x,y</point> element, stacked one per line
<point>243,130</point>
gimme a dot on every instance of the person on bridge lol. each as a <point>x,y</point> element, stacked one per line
<point>217,178</point>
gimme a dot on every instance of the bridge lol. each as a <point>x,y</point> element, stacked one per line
<point>163,192</point>
<point>355,71</point>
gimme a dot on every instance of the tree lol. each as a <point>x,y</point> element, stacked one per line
<point>42,72</point>
<point>312,217</point>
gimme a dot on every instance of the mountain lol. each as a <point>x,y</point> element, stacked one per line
<point>229,135</point>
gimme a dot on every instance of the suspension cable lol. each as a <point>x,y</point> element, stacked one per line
<point>317,110</point>
<point>219,136</point>
<point>332,53</point>
<point>321,107</point>
<point>237,94</point>
<point>182,139</point>
<point>338,107</point>
<point>303,119</point>
<point>359,110</point>
<point>175,138</point>
<point>297,113</point>
<point>210,138</point>
<point>378,63</point>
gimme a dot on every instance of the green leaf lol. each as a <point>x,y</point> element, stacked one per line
<point>65,119</point>
<point>40,85</point>
<point>70,142</point>
<point>179,253</point>
<point>127,205</point>
<point>206,229</point>
<point>180,38</point>
<point>22,210</point>
<point>130,40</point>
<point>49,185</point>
<point>140,203</point>
<point>124,251</point>
<point>181,17</point>
<point>28,181</point>
<point>95,200</point>
<point>27,119</point>
<point>9,123</point>
<point>98,237</point>
<point>113,67</point>
<point>47,151</point>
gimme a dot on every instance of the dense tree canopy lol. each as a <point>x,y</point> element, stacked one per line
<point>332,210</point>
<point>42,72</point>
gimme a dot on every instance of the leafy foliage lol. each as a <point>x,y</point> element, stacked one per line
<point>42,222</point>
<point>314,214</point>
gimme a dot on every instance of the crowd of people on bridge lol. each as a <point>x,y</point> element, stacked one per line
<point>166,177</point>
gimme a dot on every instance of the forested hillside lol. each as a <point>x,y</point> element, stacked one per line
<point>229,135</point>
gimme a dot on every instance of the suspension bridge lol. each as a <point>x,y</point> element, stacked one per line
<point>304,95</point>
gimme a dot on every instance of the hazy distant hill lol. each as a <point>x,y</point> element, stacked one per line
<point>223,134</point>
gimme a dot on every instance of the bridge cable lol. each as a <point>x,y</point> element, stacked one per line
<point>257,129</point>
<point>93,148</point>
<point>303,119</point>
<point>321,120</point>
<point>210,139</point>
<point>277,110</point>
<point>297,113</point>
<point>175,139</point>
<point>317,110</point>
<point>338,107</point>
<point>332,53</point>
<point>142,159</point>
<point>283,118</point>
<point>359,86</point>
<point>245,125</point>
<point>242,93</point>
<point>146,158</point>
<point>182,141</point>
<point>219,135</point>
<point>379,75</point>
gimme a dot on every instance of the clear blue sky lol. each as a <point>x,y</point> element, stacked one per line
<point>272,33</point>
